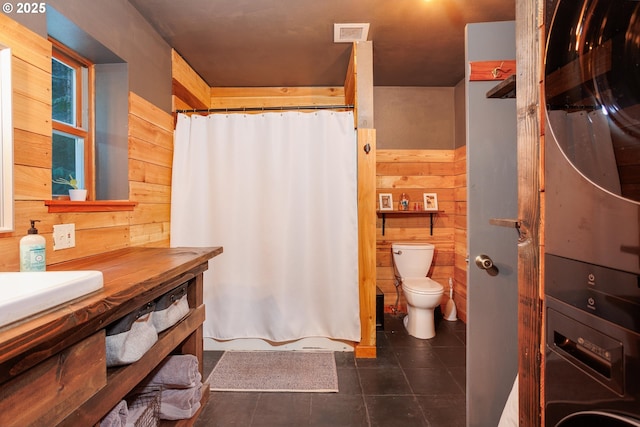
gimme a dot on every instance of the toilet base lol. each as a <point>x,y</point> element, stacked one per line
<point>420,323</point>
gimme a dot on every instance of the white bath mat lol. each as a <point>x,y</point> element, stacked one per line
<point>275,371</point>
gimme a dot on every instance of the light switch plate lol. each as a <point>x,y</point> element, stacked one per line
<point>64,236</point>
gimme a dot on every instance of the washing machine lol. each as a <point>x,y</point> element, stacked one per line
<point>592,213</point>
<point>592,359</point>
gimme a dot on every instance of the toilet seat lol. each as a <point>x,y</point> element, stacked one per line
<point>422,285</point>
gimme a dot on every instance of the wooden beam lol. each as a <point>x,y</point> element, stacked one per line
<point>363,62</point>
<point>367,241</point>
<point>529,49</point>
<point>350,79</point>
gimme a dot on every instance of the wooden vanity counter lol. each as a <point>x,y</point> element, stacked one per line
<point>49,343</point>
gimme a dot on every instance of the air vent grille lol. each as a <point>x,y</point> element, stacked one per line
<point>348,33</point>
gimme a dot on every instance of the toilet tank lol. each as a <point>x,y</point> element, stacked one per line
<point>412,259</point>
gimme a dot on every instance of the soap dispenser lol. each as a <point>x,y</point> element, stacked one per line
<point>33,250</point>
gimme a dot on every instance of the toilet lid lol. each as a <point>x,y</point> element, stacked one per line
<point>422,285</point>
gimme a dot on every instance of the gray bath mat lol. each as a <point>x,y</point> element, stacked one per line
<point>279,371</point>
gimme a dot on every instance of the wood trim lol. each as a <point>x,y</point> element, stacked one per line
<point>367,241</point>
<point>57,206</point>
<point>491,70</point>
<point>529,53</point>
<point>350,79</point>
<point>263,97</point>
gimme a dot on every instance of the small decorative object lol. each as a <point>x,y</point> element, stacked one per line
<point>430,201</point>
<point>75,193</point>
<point>386,201</point>
<point>404,202</point>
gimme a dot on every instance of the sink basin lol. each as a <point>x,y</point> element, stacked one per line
<point>27,293</point>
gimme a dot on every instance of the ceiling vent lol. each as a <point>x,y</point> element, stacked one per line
<point>349,33</point>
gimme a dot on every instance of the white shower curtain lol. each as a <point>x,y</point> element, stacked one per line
<point>278,191</point>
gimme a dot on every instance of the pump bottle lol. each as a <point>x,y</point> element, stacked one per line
<point>33,250</point>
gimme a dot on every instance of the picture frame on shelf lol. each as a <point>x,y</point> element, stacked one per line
<point>430,201</point>
<point>385,201</point>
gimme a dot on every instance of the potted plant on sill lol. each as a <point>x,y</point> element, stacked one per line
<point>75,193</point>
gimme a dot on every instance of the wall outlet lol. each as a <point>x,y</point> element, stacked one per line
<point>64,236</point>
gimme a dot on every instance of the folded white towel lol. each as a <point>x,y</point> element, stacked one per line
<point>117,417</point>
<point>178,371</point>
<point>180,404</point>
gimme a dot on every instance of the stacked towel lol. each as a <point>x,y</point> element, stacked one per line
<point>179,371</point>
<point>117,417</point>
<point>179,378</point>
<point>177,404</point>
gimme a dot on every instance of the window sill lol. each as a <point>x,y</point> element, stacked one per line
<point>89,206</point>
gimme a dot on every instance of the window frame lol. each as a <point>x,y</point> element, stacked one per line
<point>82,130</point>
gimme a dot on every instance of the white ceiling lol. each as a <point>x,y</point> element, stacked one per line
<point>288,43</point>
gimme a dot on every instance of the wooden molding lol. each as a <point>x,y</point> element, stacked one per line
<point>491,70</point>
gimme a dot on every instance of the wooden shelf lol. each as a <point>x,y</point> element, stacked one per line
<point>505,89</point>
<point>384,214</point>
<point>90,205</point>
<point>121,380</point>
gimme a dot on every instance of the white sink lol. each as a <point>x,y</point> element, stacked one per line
<point>25,294</point>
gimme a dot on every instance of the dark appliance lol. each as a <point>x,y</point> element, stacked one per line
<point>592,213</point>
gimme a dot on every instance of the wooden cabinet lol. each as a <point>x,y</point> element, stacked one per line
<point>53,365</point>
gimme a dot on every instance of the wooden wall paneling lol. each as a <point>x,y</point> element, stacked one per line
<point>24,210</point>
<point>421,156</point>
<point>187,84</point>
<point>415,172</point>
<point>25,44</point>
<point>9,248</point>
<point>90,241</point>
<point>149,172</point>
<point>31,81</point>
<point>150,163</point>
<point>154,234</point>
<point>31,115</point>
<point>148,213</point>
<point>149,193</point>
<point>241,97</point>
<point>145,110</point>
<point>149,152</point>
<point>26,144</point>
<point>460,238</point>
<point>529,54</point>
<point>31,183</point>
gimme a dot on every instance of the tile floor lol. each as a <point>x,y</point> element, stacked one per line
<point>412,382</point>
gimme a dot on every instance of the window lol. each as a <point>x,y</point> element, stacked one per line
<point>72,114</point>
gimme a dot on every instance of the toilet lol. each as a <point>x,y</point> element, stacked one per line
<point>412,262</point>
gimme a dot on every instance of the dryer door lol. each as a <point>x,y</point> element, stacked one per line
<point>598,419</point>
<point>592,89</point>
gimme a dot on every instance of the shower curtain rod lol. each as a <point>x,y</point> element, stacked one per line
<point>282,108</point>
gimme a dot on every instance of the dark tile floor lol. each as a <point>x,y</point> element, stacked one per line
<point>412,382</point>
